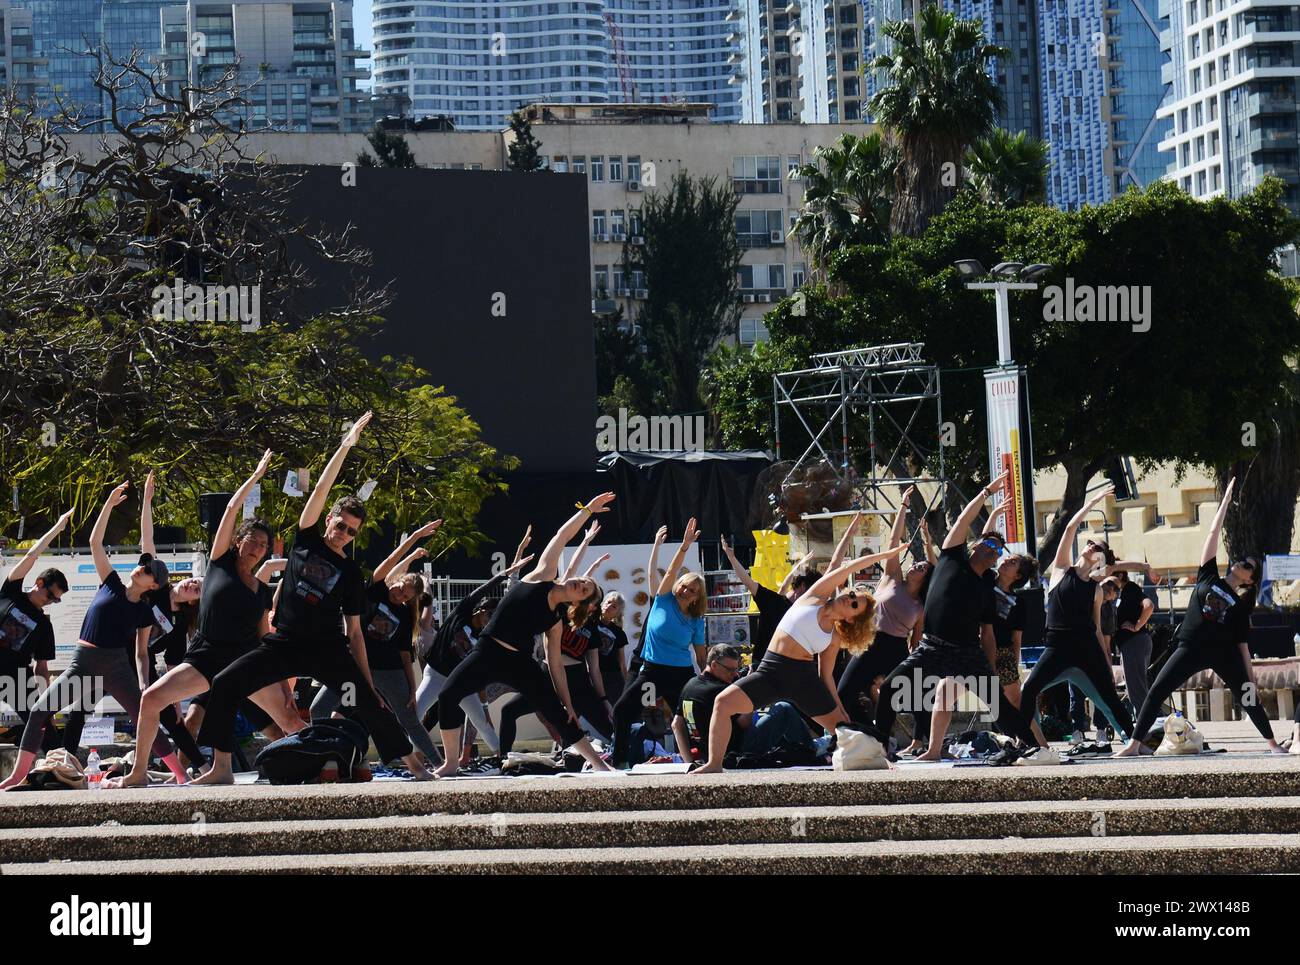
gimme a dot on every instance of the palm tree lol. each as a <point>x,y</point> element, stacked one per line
<point>846,197</point>
<point>939,99</point>
<point>1008,170</point>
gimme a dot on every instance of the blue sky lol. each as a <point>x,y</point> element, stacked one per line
<point>361,22</point>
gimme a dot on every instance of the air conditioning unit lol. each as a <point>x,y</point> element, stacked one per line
<point>765,297</point>
<point>618,234</point>
<point>601,236</point>
<point>625,292</point>
<point>777,237</point>
<point>634,185</point>
<point>639,293</point>
<point>638,239</point>
<point>747,298</point>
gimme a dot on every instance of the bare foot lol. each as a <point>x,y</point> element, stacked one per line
<point>708,769</point>
<point>448,769</point>
<point>930,755</point>
<point>215,776</point>
<point>130,780</point>
<point>1135,748</point>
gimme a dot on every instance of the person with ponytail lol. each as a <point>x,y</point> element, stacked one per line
<point>800,661</point>
<point>391,628</point>
<point>1212,636</point>
<point>504,651</point>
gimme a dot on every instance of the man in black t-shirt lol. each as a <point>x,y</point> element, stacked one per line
<point>26,634</point>
<point>960,610</point>
<point>322,591</point>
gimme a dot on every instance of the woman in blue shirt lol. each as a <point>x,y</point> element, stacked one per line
<point>673,627</point>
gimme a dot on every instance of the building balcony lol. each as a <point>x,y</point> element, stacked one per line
<point>1271,139</point>
<point>1262,102</point>
<point>1287,172</point>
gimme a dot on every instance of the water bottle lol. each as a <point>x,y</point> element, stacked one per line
<point>93,773</point>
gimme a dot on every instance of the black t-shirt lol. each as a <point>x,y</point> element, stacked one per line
<point>230,614</point>
<point>1216,616</point>
<point>112,619</point>
<point>772,606</point>
<point>1070,603</point>
<point>959,601</point>
<point>522,614</point>
<point>26,633</point>
<point>170,630</point>
<point>612,639</point>
<point>1008,616</point>
<point>444,655</point>
<point>387,628</point>
<point>696,708</point>
<point>1128,609</point>
<point>319,588</point>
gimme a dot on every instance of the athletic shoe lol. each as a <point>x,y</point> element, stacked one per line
<point>1102,749</point>
<point>1086,749</point>
<point>1078,737</point>
<point>1040,757</point>
<point>1007,756</point>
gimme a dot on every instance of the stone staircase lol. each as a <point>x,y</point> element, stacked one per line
<point>1221,814</point>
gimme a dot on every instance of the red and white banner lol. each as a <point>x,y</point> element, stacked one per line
<point>1006,454</point>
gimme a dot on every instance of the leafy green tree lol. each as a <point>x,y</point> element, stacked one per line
<point>1008,169</point>
<point>847,197</point>
<point>689,259</point>
<point>938,98</point>
<point>391,151</point>
<point>525,150</point>
<point>1216,348</point>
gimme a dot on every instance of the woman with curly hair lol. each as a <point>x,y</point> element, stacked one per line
<point>800,661</point>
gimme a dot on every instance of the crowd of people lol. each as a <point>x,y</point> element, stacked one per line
<point>830,650</point>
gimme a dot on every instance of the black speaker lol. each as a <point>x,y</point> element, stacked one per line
<point>170,535</point>
<point>211,507</point>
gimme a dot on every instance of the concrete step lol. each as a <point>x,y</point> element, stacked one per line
<point>1113,780</point>
<point>640,829</point>
<point>1189,854</point>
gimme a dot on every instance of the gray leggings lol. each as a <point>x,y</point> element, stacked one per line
<point>1135,654</point>
<point>396,691</point>
<point>93,673</point>
<point>428,692</point>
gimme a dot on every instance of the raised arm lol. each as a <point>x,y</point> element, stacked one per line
<point>794,571</point>
<point>893,566</point>
<point>961,529</point>
<point>1211,548</point>
<point>594,563</point>
<point>548,564</point>
<point>523,545</point>
<point>742,574</point>
<point>670,574</point>
<point>226,528</point>
<point>116,498</point>
<point>842,547</point>
<point>401,568</point>
<point>831,582</point>
<point>270,568</point>
<point>576,559</point>
<point>931,555</point>
<point>1130,566</point>
<point>1063,562</point>
<point>653,566</point>
<point>20,569</point>
<point>320,495</point>
<point>399,555</point>
<point>146,517</point>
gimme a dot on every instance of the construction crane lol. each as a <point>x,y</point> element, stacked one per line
<point>625,81</point>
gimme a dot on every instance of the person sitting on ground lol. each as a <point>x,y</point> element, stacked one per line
<point>756,733</point>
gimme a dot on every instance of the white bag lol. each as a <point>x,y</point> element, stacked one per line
<point>1180,738</point>
<point>857,751</point>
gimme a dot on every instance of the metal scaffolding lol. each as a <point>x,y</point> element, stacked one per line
<point>896,390</point>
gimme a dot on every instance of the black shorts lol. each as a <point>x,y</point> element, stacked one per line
<point>781,678</point>
<point>210,658</point>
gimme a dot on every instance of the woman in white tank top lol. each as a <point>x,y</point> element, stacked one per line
<point>800,661</point>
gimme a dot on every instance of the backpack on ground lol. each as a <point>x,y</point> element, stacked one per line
<point>300,758</point>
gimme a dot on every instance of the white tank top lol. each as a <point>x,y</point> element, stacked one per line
<point>800,623</point>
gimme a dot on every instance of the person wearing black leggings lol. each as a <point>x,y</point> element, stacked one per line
<point>1074,640</point>
<point>1212,636</point>
<point>504,652</point>
<point>898,597</point>
<point>322,593</point>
